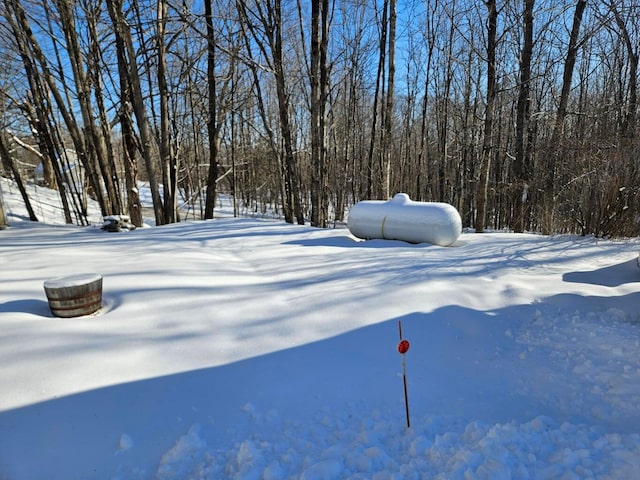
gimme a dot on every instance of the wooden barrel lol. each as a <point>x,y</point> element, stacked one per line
<point>75,295</point>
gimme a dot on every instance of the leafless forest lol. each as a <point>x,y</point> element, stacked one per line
<point>522,114</point>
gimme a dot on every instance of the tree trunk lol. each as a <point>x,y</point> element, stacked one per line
<point>31,53</point>
<point>522,167</point>
<point>387,144</point>
<point>561,114</point>
<point>373,182</point>
<point>7,161</point>
<point>3,216</point>
<point>49,151</point>
<point>422,183</point>
<point>167,156</point>
<point>94,145</point>
<point>487,143</point>
<point>291,178</point>
<point>443,116</point>
<point>270,17</point>
<point>102,132</point>
<point>33,110</point>
<point>630,116</point>
<point>212,124</point>
<point>129,143</point>
<point>319,87</point>
<point>39,112</point>
<point>120,24</point>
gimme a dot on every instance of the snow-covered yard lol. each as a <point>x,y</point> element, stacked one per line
<point>252,349</point>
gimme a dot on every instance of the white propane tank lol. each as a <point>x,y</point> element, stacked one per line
<point>403,219</point>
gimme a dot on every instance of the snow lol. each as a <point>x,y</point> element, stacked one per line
<point>72,280</point>
<point>241,348</point>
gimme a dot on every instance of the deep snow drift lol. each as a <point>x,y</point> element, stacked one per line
<point>252,349</point>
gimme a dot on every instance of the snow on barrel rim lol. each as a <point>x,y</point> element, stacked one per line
<point>404,219</point>
<point>72,280</point>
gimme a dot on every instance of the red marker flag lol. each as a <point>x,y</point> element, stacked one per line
<point>403,348</point>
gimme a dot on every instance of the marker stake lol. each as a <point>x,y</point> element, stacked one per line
<point>403,348</point>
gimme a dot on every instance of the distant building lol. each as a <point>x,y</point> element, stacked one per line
<point>3,217</point>
<point>72,169</point>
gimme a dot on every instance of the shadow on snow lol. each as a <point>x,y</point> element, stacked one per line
<point>492,367</point>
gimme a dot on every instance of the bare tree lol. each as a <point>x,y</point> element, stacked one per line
<point>270,20</point>
<point>431,34</point>
<point>168,160</point>
<point>629,116</point>
<point>212,124</point>
<point>487,144</point>
<point>387,142</point>
<point>7,161</point>
<point>373,174</point>
<point>121,26</point>
<point>292,181</point>
<point>3,216</point>
<point>96,67</point>
<point>130,142</point>
<point>348,118</point>
<point>319,91</point>
<point>38,110</point>
<point>522,163</point>
<point>443,105</point>
<point>93,143</point>
<point>561,114</point>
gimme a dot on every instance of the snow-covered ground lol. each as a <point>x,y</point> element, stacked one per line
<point>251,349</point>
